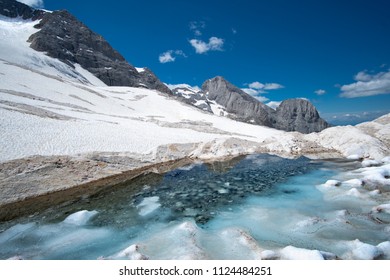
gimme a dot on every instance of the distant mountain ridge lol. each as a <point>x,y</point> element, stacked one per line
<point>62,36</point>
<point>291,115</point>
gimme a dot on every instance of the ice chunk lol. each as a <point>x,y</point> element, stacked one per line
<point>370,162</point>
<point>362,251</point>
<point>353,157</point>
<point>294,253</point>
<point>328,255</point>
<point>332,183</point>
<point>375,193</point>
<point>131,253</point>
<point>269,255</point>
<point>382,208</point>
<point>148,205</point>
<point>223,191</point>
<point>80,218</point>
<point>354,192</point>
<point>386,160</point>
<point>354,183</point>
<point>385,248</point>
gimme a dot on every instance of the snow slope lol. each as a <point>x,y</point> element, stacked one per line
<point>49,108</point>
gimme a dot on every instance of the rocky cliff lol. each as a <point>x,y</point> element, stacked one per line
<point>298,115</point>
<point>292,114</point>
<point>238,104</point>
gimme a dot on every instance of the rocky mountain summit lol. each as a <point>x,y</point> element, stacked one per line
<point>292,114</point>
<point>238,104</point>
<point>64,37</point>
<point>298,115</point>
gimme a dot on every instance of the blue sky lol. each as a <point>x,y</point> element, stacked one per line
<point>334,53</point>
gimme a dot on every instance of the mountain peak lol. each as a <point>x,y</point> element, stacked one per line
<point>62,36</point>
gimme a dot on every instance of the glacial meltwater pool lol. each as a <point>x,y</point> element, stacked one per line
<point>253,207</point>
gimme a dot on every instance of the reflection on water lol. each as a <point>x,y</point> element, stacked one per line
<point>250,207</point>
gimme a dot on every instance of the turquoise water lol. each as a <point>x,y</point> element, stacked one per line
<point>250,207</point>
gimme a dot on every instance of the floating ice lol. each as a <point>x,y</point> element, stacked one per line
<point>354,192</point>
<point>353,183</point>
<point>353,157</point>
<point>362,251</point>
<point>131,253</point>
<point>294,253</point>
<point>370,162</point>
<point>148,205</point>
<point>80,218</point>
<point>269,255</point>
<point>332,183</point>
<point>382,208</point>
<point>385,248</point>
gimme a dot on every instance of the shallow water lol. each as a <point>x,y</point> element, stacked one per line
<point>259,206</point>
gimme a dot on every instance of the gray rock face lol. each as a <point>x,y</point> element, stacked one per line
<point>13,9</point>
<point>240,105</point>
<point>299,115</point>
<point>292,114</point>
<point>64,37</point>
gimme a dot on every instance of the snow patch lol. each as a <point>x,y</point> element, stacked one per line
<point>139,69</point>
<point>294,253</point>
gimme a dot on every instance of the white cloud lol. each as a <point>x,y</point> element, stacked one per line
<point>271,86</point>
<point>256,85</point>
<point>266,86</point>
<point>320,91</point>
<point>261,98</point>
<point>273,104</point>
<point>33,3</point>
<point>256,94</point>
<point>256,89</point>
<point>197,26</point>
<point>170,56</point>
<point>214,44</point>
<point>166,57</point>
<point>251,91</point>
<point>367,85</point>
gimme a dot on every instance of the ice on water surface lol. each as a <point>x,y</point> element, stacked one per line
<point>259,207</point>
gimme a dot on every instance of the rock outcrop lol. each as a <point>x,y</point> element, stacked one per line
<point>238,104</point>
<point>63,36</point>
<point>193,97</point>
<point>292,114</point>
<point>298,115</point>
